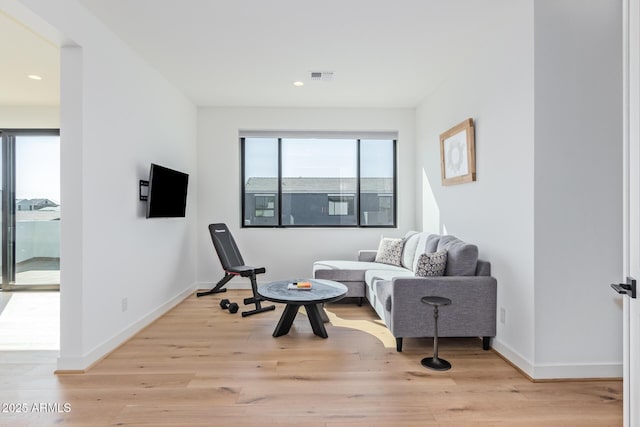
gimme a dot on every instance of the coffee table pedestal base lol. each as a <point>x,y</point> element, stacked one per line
<point>289,314</point>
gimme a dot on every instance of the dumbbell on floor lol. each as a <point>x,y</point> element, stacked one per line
<point>227,305</point>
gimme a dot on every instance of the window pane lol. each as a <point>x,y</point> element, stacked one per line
<point>260,181</point>
<point>37,232</point>
<point>265,205</point>
<point>341,205</point>
<point>376,182</point>
<point>312,170</point>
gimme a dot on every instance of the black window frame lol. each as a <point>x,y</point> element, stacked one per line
<point>357,198</point>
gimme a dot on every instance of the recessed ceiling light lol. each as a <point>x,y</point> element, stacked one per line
<point>34,77</point>
<point>298,84</point>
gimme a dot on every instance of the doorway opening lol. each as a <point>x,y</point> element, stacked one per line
<point>30,216</point>
<point>30,243</point>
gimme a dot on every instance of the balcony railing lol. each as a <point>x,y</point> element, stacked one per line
<point>37,248</point>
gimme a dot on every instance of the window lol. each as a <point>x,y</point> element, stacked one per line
<point>341,205</point>
<point>265,205</point>
<point>311,180</point>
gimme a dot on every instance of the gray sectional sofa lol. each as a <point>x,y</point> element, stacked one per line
<point>394,291</point>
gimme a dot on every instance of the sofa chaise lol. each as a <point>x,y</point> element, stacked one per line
<point>387,279</point>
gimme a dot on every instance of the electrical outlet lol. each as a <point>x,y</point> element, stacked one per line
<point>125,304</point>
<point>503,315</point>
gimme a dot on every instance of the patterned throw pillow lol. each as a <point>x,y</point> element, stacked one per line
<point>390,251</point>
<point>432,264</point>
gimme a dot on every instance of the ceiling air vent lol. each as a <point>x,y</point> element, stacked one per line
<point>323,76</point>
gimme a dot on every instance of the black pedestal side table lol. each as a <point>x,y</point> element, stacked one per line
<point>435,362</point>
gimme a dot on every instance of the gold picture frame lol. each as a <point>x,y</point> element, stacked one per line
<point>458,154</point>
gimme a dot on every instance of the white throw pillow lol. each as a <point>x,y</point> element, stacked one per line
<point>390,251</point>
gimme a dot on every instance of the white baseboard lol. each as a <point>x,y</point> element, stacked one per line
<point>542,372</point>
<point>100,351</point>
<point>515,358</point>
<point>577,371</point>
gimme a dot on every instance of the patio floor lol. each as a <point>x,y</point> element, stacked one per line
<point>38,271</point>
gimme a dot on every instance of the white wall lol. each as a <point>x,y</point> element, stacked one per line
<point>117,116</point>
<point>547,207</point>
<point>29,117</point>
<point>578,187</point>
<point>495,88</point>
<point>288,252</point>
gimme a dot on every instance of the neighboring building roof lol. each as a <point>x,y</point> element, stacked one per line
<point>319,185</point>
<point>36,202</point>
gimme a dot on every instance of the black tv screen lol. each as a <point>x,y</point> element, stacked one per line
<point>167,192</point>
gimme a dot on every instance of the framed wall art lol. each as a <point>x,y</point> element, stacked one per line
<point>458,154</point>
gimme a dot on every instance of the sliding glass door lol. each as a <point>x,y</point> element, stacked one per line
<point>30,220</point>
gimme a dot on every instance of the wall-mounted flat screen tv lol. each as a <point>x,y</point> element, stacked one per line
<point>167,192</point>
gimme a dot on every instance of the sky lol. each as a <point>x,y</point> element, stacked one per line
<point>318,158</point>
<point>38,167</point>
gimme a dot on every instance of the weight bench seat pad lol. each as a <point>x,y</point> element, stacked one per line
<point>245,270</point>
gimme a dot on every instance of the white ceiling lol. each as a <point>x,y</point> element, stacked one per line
<point>249,52</point>
<point>23,52</point>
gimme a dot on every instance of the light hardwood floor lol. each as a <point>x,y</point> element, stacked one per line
<point>29,320</point>
<point>201,365</point>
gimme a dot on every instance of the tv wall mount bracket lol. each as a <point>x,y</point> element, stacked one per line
<point>144,190</point>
